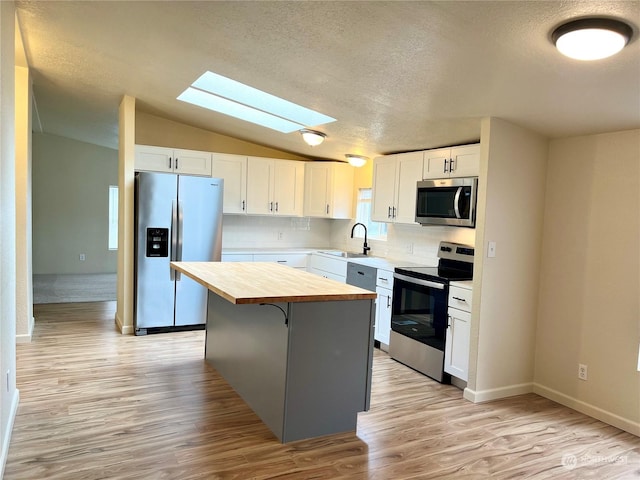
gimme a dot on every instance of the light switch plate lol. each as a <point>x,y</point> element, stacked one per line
<point>491,251</point>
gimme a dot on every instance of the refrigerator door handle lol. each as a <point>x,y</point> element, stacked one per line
<point>174,238</point>
<point>179,238</point>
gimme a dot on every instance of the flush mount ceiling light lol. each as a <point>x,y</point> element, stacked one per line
<point>312,137</point>
<point>227,96</point>
<point>356,160</point>
<point>591,38</point>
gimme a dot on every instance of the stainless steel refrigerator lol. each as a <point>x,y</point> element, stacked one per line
<point>177,218</point>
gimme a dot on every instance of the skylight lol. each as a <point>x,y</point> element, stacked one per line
<point>221,94</point>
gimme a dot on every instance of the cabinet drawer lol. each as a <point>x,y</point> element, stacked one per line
<point>237,257</point>
<point>331,265</point>
<point>384,279</point>
<point>460,298</point>
<point>296,260</point>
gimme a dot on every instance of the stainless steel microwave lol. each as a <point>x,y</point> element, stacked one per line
<point>447,201</point>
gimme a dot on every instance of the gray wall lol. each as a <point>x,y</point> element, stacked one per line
<point>70,205</point>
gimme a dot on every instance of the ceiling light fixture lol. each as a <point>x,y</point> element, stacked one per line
<point>591,38</point>
<point>312,137</point>
<point>356,160</point>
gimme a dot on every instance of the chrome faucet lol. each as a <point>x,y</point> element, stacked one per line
<point>365,247</point>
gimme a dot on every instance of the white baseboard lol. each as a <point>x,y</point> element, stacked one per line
<point>480,396</point>
<point>7,433</point>
<point>26,337</point>
<point>588,409</point>
<point>124,329</point>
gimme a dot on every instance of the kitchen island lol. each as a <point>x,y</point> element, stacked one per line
<point>298,348</point>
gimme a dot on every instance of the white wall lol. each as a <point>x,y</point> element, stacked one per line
<point>8,393</point>
<point>71,182</point>
<point>24,239</point>
<point>590,279</point>
<point>505,288</point>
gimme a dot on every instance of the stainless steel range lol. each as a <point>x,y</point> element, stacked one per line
<point>419,311</point>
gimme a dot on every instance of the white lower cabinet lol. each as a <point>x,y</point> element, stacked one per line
<point>456,353</point>
<point>333,268</point>
<point>383,317</point>
<point>384,289</point>
<point>294,260</point>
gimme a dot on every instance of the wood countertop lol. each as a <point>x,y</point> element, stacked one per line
<point>261,282</point>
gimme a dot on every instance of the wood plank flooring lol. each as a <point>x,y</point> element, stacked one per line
<point>95,404</point>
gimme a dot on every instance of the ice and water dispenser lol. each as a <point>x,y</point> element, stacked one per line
<point>157,242</point>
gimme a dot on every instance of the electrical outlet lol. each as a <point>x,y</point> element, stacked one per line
<point>582,371</point>
<point>491,253</point>
<point>83,257</point>
<point>280,235</point>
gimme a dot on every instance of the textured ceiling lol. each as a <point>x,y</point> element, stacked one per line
<point>397,76</point>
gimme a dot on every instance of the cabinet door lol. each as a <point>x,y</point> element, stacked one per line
<point>466,161</point>
<point>154,159</point>
<point>409,173</point>
<point>192,162</point>
<point>384,189</point>
<point>436,163</point>
<point>260,186</point>
<point>233,169</point>
<point>288,186</point>
<point>456,352</point>
<point>383,315</point>
<point>317,180</point>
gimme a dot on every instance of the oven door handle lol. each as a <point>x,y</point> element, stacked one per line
<point>418,281</point>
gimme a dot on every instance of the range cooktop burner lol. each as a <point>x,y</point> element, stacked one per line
<point>435,273</point>
<point>456,263</point>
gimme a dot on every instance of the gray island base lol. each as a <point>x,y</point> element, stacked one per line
<point>301,360</point>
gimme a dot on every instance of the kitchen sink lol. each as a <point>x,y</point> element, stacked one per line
<point>343,254</point>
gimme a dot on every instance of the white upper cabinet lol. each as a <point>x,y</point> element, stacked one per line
<point>462,161</point>
<point>328,190</point>
<point>395,179</point>
<point>275,187</point>
<point>233,169</point>
<point>169,160</point>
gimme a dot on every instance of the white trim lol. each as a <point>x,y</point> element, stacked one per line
<point>497,393</point>
<point>125,330</point>
<point>583,407</point>
<point>7,434</point>
<point>26,337</point>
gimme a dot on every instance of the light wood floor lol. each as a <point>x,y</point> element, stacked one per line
<point>95,404</point>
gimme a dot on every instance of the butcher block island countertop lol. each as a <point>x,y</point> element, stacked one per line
<point>260,282</point>
<point>297,347</point>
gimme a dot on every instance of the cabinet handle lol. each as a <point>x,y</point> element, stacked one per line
<point>448,321</point>
<point>445,165</point>
<point>394,212</point>
<point>281,261</point>
<point>169,163</point>
<point>450,165</point>
<point>271,206</point>
<point>388,302</point>
<point>327,209</point>
<point>276,206</point>
<point>243,205</point>
<point>176,163</point>
<point>389,213</point>
<point>459,299</point>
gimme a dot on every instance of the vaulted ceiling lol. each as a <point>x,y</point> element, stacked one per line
<point>397,76</point>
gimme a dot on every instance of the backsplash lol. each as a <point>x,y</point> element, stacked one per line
<point>255,231</point>
<point>404,242</point>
